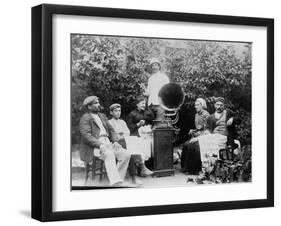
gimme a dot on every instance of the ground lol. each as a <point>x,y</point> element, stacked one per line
<point>178,179</point>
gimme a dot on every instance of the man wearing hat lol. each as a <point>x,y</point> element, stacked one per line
<point>221,121</point>
<point>123,132</point>
<point>155,82</point>
<point>221,132</point>
<point>118,124</point>
<point>99,139</point>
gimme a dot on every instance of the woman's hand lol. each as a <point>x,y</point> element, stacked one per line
<point>229,122</point>
<point>140,123</point>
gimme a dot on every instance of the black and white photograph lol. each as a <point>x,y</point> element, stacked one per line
<point>149,112</point>
<point>139,113</point>
<point>143,112</point>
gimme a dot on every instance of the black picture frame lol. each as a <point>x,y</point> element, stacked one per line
<point>42,107</point>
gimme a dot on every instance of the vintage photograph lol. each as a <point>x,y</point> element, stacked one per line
<point>157,112</point>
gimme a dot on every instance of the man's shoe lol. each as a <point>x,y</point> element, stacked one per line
<point>118,184</point>
<point>145,172</point>
<point>190,180</point>
<point>201,178</point>
<point>137,182</point>
<point>126,184</point>
<point>199,181</point>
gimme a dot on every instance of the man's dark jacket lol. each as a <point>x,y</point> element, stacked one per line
<point>231,132</point>
<point>90,133</point>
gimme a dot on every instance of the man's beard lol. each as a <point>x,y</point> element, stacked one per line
<point>219,110</point>
<point>97,110</point>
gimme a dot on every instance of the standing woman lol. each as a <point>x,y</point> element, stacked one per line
<point>155,82</point>
<point>190,158</point>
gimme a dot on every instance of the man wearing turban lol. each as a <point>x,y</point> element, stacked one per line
<point>220,133</point>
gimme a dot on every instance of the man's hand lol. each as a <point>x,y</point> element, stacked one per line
<point>193,140</point>
<point>191,132</point>
<point>116,146</point>
<point>229,122</point>
<point>104,148</point>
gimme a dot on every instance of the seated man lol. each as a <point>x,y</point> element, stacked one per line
<point>220,126</point>
<point>99,139</point>
<point>123,131</point>
<point>119,125</point>
<point>220,133</point>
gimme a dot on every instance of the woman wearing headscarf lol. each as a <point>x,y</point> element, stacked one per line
<point>200,118</point>
<point>190,158</point>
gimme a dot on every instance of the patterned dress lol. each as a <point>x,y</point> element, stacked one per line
<point>200,122</point>
<point>190,158</point>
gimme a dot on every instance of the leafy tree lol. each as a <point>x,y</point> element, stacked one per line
<point>116,69</point>
<point>210,69</point>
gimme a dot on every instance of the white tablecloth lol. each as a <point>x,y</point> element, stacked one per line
<point>139,146</point>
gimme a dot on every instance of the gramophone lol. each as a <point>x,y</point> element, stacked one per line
<point>171,98</point>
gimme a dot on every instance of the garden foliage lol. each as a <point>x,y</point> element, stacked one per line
<point>117,69</point>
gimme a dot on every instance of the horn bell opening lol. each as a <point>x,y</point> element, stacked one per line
<point>171,96</point>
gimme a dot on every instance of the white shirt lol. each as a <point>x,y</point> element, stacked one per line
<point>155,83</point>
<point>103,140</point>
<point>100,125</point>
<point>120,126</point>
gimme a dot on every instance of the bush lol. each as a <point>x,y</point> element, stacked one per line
<point>116,69</point>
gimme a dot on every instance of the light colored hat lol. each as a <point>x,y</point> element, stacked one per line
<point>114,106</point>
<point>89,100</point>
<point>155,60</point>
<point>220,99</point>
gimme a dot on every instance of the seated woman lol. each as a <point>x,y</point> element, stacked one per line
<point>220,127</point>
<point>123,131</point>
<point>139,117</point>
<point>200,118</point>
<point>190,158</point>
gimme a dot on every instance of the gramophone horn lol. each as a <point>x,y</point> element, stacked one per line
<point>171,97</point>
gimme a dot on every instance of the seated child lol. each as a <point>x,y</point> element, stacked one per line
<point>122,130</point>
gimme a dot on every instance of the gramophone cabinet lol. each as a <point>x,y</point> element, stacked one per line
<point>162,149</point>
